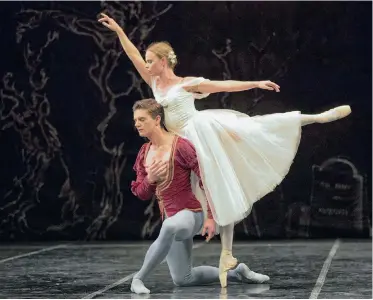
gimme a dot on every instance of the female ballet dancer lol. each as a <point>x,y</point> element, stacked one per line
<point>241,158</point>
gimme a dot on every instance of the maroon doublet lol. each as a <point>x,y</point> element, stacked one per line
<point>175,192</point>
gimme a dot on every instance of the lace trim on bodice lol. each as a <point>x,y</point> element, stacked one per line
<point>181,84</point>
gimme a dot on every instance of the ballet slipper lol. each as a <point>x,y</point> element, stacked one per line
<point>246,275</point>
<point>227,262</point>
<point>334,114</point>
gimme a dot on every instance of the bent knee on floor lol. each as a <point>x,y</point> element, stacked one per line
<point>180,281</point>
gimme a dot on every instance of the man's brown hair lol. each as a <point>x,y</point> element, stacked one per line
<point>152,107</point>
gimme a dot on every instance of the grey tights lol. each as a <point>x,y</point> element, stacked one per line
<point>175,244</point>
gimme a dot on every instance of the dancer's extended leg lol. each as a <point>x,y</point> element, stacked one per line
<point>327,116</point>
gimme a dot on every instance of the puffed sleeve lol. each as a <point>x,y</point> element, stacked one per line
<point>195,81</point>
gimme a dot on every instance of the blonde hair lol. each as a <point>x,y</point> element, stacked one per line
<point>164,49</point>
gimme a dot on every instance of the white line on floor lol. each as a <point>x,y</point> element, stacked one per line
<point>320,281</point>
<point>237,244</point>
<point>31,253</point>
<point>124,279</point>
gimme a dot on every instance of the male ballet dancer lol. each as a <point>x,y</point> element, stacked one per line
<point>163,167</point>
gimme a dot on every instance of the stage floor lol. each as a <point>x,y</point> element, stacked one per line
<point>298,269</point>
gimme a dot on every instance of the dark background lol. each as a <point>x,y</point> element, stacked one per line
<point>67,138</point>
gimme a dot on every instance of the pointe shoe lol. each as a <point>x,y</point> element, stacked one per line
<point>334,114</point>
<point>227,262</point>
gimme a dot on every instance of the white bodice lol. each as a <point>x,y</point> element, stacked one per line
<point>178,104</point>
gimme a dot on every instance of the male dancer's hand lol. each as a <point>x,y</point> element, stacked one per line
<point>209,227</point>
<point>157,171</point>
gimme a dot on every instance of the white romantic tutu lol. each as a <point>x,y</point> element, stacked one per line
<point>239,170</point>
<point>241,158</point>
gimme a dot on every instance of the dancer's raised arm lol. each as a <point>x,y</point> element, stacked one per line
<point>132,52</point>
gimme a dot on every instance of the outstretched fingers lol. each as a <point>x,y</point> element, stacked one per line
<point>273,86</point>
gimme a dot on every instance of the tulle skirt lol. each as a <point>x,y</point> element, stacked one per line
<point>241,158</point>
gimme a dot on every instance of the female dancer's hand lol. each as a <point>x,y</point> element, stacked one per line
<point>109,23</point>
<point>268,85</point>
